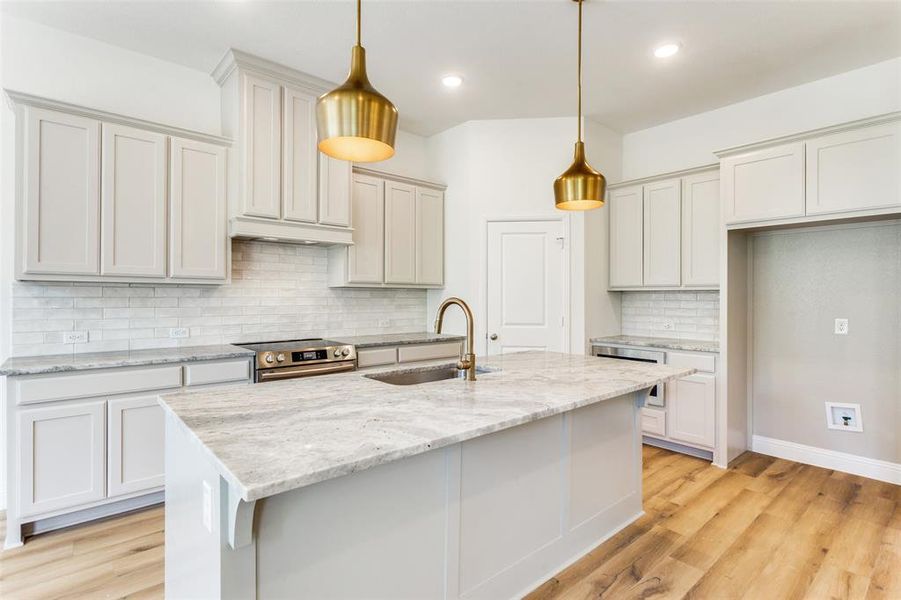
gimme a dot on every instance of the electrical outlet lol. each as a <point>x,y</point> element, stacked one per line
<point>841,327</point>
<point>384,323</point>
<point>75,337</point>
<point>179,332</point>
<point>207,507</point>
<point>669,325</point>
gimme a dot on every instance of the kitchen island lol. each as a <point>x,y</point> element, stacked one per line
<point>344,486</point>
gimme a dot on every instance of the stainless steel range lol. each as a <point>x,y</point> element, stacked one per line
<point>300,358</point>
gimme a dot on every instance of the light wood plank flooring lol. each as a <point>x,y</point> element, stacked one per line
<point>764,529</point>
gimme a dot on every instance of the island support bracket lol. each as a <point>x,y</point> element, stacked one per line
<point>238,516</point>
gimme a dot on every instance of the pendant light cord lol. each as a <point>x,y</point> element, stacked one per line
<point>359,18</point>
<point>580,71</point>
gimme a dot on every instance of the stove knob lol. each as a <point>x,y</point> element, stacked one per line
<point>345,351</point>
<point>280,357</point>
<point>337,352</point>
<point>268,357</point>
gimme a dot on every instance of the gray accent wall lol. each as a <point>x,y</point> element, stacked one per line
<point>803,280</point>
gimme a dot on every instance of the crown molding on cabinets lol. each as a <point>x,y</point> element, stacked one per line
<point>17,98</point>
<point>804,135</point>
<point>400,178</point>
<point>234,59</point>
<point>670,175</point>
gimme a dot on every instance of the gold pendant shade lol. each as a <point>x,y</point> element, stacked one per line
<point>579,187</point>
<point>354,121</point>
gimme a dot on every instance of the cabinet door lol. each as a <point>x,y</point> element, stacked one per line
<point>366,258</point>
<point>764,185</point>
<point>701,230</point>
<point>136,437</point>
<point>400,233</point>
<point>133,202</point>
<point>854,170</point>
<point>429,237</point>
<point>262,147</point>
<point>61,456</point>
<point>299,190</point>
<point>61,193</point>
<point>626,223</point>
<point>691,404</point>
<point>198,221</point>
<point>662,233</point>
<point>335,178</point>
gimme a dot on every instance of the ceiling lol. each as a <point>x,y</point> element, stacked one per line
<point>517,58</point>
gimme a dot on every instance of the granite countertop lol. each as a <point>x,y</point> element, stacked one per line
<point>658,342</point>
<point>399,339</point>
<point>270,438</point>
<point>58,363</point>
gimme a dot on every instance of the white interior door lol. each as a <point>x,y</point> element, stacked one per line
<point>526,293</point>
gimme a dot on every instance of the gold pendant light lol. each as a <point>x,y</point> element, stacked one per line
<point>580,187</point>
<point>355,122</point>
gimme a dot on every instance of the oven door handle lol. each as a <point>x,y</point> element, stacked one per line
<point>304,371</point>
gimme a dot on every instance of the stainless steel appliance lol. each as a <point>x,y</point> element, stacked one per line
<point>300,358</point>
<point>656,397</point>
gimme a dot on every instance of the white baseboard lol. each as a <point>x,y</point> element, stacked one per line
<point>882,470</point>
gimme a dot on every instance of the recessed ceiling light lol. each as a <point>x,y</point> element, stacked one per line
<point>452,81</point>
<point>666,50</point>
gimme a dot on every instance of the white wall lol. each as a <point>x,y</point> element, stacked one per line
<point>691,141</point>
<point>506,168</point>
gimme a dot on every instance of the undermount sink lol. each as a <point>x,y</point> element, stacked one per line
<point>422,375</point>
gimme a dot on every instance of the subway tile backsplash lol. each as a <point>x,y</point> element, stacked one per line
<point>278,291</point>
<point>693,315</point>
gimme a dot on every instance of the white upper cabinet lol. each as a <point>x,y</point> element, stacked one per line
<point>300,194</point>
<point>60,193</point>
<point>855,170</point>
<point>429,236</point>
<point>282,187</point>
<point>366,263</point>
<point>400,233</point>
<point>335,177</point>
<point>262,147</point>
<point>701,229</point>
<point>108,199</point>
<point>764,184</point>
<point>662,233</point>
<point>626,245</point>
<point>133,196</point>
<point>197,196</point>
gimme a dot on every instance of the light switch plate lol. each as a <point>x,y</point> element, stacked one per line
<point>207,507</point>
<point>75,337</point>
<point>841,327</point>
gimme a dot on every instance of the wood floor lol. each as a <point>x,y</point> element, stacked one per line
<point>765,529</point>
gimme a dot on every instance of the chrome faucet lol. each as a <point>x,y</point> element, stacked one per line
<point>467,360</point>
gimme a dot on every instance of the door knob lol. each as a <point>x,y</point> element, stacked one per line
<point>493,336</point>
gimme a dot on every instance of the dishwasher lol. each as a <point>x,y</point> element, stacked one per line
<point>656,395</point>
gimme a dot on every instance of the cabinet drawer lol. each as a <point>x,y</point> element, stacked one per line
<point>701,362</point>
<point>428,351</point>
<point>217,372</point>
<point>96,383</point>
<point>653,421</point>
<point>376,356</point>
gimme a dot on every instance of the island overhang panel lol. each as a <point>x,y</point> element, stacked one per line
<point>449,489</point>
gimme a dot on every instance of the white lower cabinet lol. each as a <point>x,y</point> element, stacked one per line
<point>135,452</point>
<point>691,404</point>
<point>93,440</point>
<point>61,456</point>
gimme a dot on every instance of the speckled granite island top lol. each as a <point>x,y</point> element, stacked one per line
<point>658,342</point>
<point>270,438</point>
<point>59,363</point>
